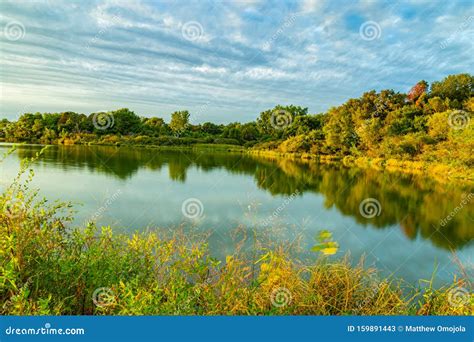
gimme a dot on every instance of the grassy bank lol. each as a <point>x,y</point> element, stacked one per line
<point>197,146</point>
<point>49,268</point>
<point>439,171</point>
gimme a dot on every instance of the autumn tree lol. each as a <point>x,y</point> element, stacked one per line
<point>417,90</point>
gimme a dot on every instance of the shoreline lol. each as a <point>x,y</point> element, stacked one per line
<point>441,172</point>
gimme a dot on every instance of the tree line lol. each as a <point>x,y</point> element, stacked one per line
<point>430,121</point>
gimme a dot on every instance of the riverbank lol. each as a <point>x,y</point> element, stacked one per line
<point>201,146</point>
<point>438,171</point>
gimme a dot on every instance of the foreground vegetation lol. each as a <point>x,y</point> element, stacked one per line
<point>427,129</point>
<point>47,267</point>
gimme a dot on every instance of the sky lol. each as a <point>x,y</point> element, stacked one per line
<point>224,61</point>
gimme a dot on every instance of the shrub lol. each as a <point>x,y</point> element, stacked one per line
<point>226,141</point>
<point>297,143</point>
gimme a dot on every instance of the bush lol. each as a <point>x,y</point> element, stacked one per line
<point>226,141</point>
<point>438,126</point>
<point>407,146</point>
<point>110,139</point>
<point>299,143</point>
<point>142,140</point>
<point>267,145</point>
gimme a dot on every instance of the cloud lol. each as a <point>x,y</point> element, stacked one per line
<point>247,56</point>
<point>309,6</point>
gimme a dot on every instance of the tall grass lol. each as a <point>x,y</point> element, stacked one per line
<point>48,268</point>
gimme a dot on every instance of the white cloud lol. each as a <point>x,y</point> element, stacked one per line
<point>206,69</point>
<point>264,73</point>
<point>309,6</point>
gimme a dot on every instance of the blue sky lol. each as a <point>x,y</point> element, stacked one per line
<point>224,61</point>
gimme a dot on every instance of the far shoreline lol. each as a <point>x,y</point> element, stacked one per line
<point>440,172</point>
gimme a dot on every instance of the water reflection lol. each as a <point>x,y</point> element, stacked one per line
<point>416,204</point>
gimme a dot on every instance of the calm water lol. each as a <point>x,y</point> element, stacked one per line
<point>132,188</point>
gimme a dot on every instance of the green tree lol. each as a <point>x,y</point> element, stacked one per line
<point>179,121</point>
<point>125,122</point>
<point>303,124</point>
<point>22,130</point>
<point>153,126</point>
<point>404,120</point>
<point>273,122</point>
<point>249,132</point>
<point>4,124</point>
<point>455,87</point>
<point>211,128</point>
<point>340,130</point>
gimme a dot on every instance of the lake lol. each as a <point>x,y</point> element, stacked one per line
<point>405,225</point>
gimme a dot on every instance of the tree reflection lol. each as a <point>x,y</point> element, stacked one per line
<point>415,204</point>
